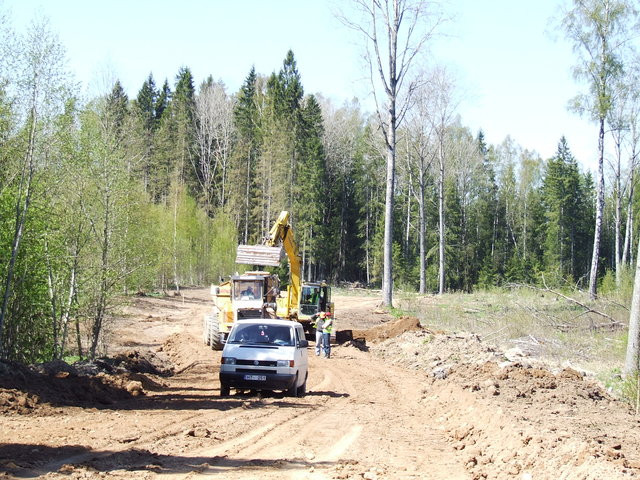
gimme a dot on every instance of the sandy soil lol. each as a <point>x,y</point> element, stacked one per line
<point>398,402</point>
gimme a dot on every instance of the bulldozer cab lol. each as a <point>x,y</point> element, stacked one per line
<point>314,298</point>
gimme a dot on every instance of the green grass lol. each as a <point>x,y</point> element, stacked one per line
<point>71,359</point>
<point>544,323</point>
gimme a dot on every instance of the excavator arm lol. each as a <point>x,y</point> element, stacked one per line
<point>280,238</point>
<point>282,232</point>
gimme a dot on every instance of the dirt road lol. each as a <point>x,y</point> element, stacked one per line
<point>417,405</point>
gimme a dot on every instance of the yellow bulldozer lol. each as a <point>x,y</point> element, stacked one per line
<point>257,294</point>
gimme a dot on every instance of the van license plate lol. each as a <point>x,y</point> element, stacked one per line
<point>259,378</point>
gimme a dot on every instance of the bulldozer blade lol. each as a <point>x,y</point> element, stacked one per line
<point>259,255</point>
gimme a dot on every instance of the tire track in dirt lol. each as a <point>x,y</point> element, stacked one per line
<point>352,423</point>
<point>283,442</point>
<point>361,417</point>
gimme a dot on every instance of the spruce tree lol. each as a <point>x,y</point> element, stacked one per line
<point>313,195</point>
<point>246,153</point>
<point>567,215</point>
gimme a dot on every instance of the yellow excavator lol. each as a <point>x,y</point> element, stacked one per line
<point>232,300</point>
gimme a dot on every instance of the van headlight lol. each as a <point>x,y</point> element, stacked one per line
<point>228,361</point>
<point>286,363</point>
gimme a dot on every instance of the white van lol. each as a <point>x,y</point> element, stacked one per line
<point>265,354</point>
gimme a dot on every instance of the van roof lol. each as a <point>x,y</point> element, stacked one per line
<point>268,321</point>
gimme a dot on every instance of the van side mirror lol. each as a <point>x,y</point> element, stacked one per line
<point>303,344</point>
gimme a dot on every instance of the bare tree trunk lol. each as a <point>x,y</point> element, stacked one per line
<point>629,226</point>
<point>593,276</point>
<point>176,281</point>
<point>66,314</point>
<point>633,343</point>
<point>101,303</point>
<point>407,232</point>
<point>423,262</point>
<point>78,338</point>
<point>441,249</point>
<point>55,326</point>
<point>387,276</point>
<point>618,218</point>
<point>246,199</point>
<point>367,246</point>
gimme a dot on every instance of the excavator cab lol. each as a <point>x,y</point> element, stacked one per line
<point>299,302</point>
<point>314,298</point>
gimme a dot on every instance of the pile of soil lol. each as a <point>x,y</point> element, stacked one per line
<point>388,330</point>
<point>480,394</point>
<point>42,387</point>
<point>178,349</point>
<point>435,352</point>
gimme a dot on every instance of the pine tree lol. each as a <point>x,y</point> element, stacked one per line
<point>313,196</point>
<point>116,111</point>
<point>162,100</point>
<point>486,213</point>
<point>285,90</point>
<point>141,138</point>
<point>183,113</point>
<point>145,103</point>
<point>567,214</point>
<point>247,151</point>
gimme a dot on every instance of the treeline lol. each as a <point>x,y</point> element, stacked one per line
<point>119,195</point>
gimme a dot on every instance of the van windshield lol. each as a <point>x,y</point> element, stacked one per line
<point>261,334</point>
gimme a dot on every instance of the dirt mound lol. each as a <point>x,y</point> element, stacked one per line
<point>435,352</point>
<point>29,391</point>
<point>542,418</point>
<point>26,389</point>
<point>179,348</point>
<point>544,422</point>
<point>388,330</point>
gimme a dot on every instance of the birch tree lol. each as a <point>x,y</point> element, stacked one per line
<point>599,31</point>
<point>443,105</point>
<point>214,132</point>
<point>421,156</point>
<point>396,34</point>
<point>37,61</point>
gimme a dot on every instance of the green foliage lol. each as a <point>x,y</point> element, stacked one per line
<point>120,204</point>
<point>620,292</point>
<point>625,387</point>
<point>27,325</point>
<point>223,246</point>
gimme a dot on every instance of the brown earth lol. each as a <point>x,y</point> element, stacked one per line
<point>398,402</point>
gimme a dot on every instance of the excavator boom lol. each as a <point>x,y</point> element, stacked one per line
<point>281,238</point>
<point>282,233</point>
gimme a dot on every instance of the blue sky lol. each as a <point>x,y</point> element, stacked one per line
<point>514,79</point>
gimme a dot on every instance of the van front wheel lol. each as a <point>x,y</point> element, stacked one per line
<point>225,390</point>
<point>293,391</point>
<point>302,389</point>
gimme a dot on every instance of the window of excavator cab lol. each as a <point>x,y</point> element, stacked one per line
<point>247,290</point>
<point>309,295</point>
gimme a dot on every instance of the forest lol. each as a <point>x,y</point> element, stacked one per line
<point>117,195</point>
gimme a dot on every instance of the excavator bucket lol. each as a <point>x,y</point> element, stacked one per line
<point>259,255</point>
